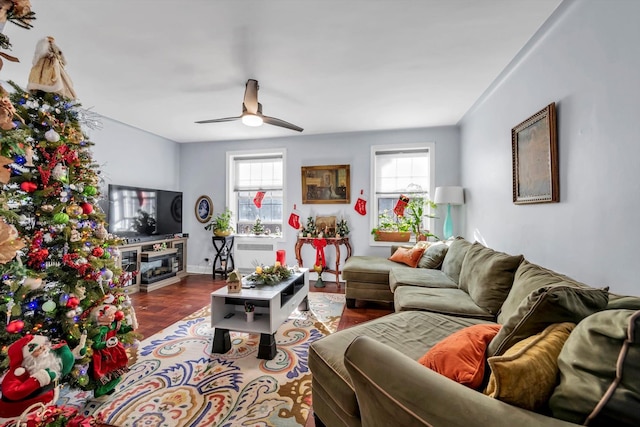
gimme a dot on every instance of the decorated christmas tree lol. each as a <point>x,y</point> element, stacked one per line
<point>64,317</point>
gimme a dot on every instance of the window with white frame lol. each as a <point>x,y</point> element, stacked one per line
<point>400,170</point>
<point>255,190</point>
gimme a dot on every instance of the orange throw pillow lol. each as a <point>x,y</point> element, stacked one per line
<point>409,256</point>
<point>461,356</point>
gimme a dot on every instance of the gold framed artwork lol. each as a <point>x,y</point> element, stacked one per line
<point>204,209</point>
<point>534,153</point>
<point>326,184</point>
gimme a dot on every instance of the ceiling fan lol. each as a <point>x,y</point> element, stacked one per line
<point>252,111</point>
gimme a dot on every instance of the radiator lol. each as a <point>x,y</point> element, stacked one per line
<point>249,253</point>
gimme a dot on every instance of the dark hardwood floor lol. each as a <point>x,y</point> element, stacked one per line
<point>158,309</point>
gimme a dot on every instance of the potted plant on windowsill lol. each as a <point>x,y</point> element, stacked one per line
<point>392,228</point>
<point>221,224</point>
<point>416,210</point>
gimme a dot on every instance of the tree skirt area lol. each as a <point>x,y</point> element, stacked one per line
<point>177,381</point>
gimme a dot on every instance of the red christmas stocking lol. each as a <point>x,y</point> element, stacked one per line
<point>294,220</point>
<point>258,199</point>
<point>361,204</point>
<point>402,203</point>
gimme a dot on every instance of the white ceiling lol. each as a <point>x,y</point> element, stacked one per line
<point>326,65</point>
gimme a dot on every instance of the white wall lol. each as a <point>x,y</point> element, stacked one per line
<point>587,60</point>
<point>130,156</point>
<point>202,172</point>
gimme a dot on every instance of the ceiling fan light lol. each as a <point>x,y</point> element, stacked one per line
<point>252,120</point>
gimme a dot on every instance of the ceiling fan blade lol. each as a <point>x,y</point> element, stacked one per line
<point>251,96</point>
<point>226,119</point>
<point>281,123</point>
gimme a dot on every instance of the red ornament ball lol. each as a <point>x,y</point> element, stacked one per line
<point>87,208</point>
<point>29,186</point>
<point>15,326</point>
<point>97,252</point>
<point>73,302</point>
<point>119,315</point>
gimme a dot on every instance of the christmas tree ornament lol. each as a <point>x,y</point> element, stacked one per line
<point>52,136</point>
<point>21,160</point>
<point>60,218</point>
<point>72,302</point>
<point>47,208</point>
<point>15,326</point>
<point>361,204</point>
<point>257,200</point>
<point>60,172</point>
<point>87,208</point>
<point>97,252</point>
<point>74,210</point>
<point>32,283</point>
<point>89,190</point>
<point>49,306</point>
<point>10,305</point>
<point>28,186</point>
<point>28,152</point>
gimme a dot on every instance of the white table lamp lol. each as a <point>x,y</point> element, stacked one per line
<point>450,196</point>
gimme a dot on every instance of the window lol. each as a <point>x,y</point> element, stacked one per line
<point>250,174</point>
<point>400,170</point>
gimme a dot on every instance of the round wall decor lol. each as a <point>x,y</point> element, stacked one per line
<point>204,209</point>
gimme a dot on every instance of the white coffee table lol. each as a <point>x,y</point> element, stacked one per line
<point>273,305</point>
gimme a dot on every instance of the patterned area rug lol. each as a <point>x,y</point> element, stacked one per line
<point>176,381</point>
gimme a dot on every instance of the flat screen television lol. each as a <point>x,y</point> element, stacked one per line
<point>143,212</point>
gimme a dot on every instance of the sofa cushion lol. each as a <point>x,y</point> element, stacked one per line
<point>527,278</point>
<point>487,275</point>
<point>408,256</point>
<point>600,371</point>
<point>526,374</point>
<point>452,262</point>
<point>372,269</point>
<point>433,256</point>
<point>438,300</point>
<point>460,356</point>
<point>545,306</point>
<point>398,330</point>
<point>424,277</point>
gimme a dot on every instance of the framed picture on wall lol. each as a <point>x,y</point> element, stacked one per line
<point>204,209</point>
<point>326,184</point>
<point>534,153</point>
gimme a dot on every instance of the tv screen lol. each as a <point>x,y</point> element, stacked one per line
<point>139,212</point>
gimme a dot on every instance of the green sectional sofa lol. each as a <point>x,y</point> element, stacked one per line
<point>372,374</point>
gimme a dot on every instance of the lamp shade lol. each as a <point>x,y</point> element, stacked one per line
<point>449,195</point>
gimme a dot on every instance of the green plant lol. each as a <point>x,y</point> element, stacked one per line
<point>342,228</point>
<point>416,210</point>
<point>221,222</point>
<point>391,222</point>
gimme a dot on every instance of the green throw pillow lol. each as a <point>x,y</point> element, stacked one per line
<point>600,372</point>
<point>453,260</point>
<point>487,275</point>
<point>543,307</point>
<point>433,256</point>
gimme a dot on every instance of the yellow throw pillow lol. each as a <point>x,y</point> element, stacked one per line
<point>526,374</point>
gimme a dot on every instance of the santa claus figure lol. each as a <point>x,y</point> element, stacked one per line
<point>109,355</point>
<point>48,73</point>
<point>34,367</point>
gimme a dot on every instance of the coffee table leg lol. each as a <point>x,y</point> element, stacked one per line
<point>267,347</point>
<point>221,341</point>
<point>304,304</point>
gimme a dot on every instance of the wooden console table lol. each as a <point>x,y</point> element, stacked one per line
<point>337,242</point>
